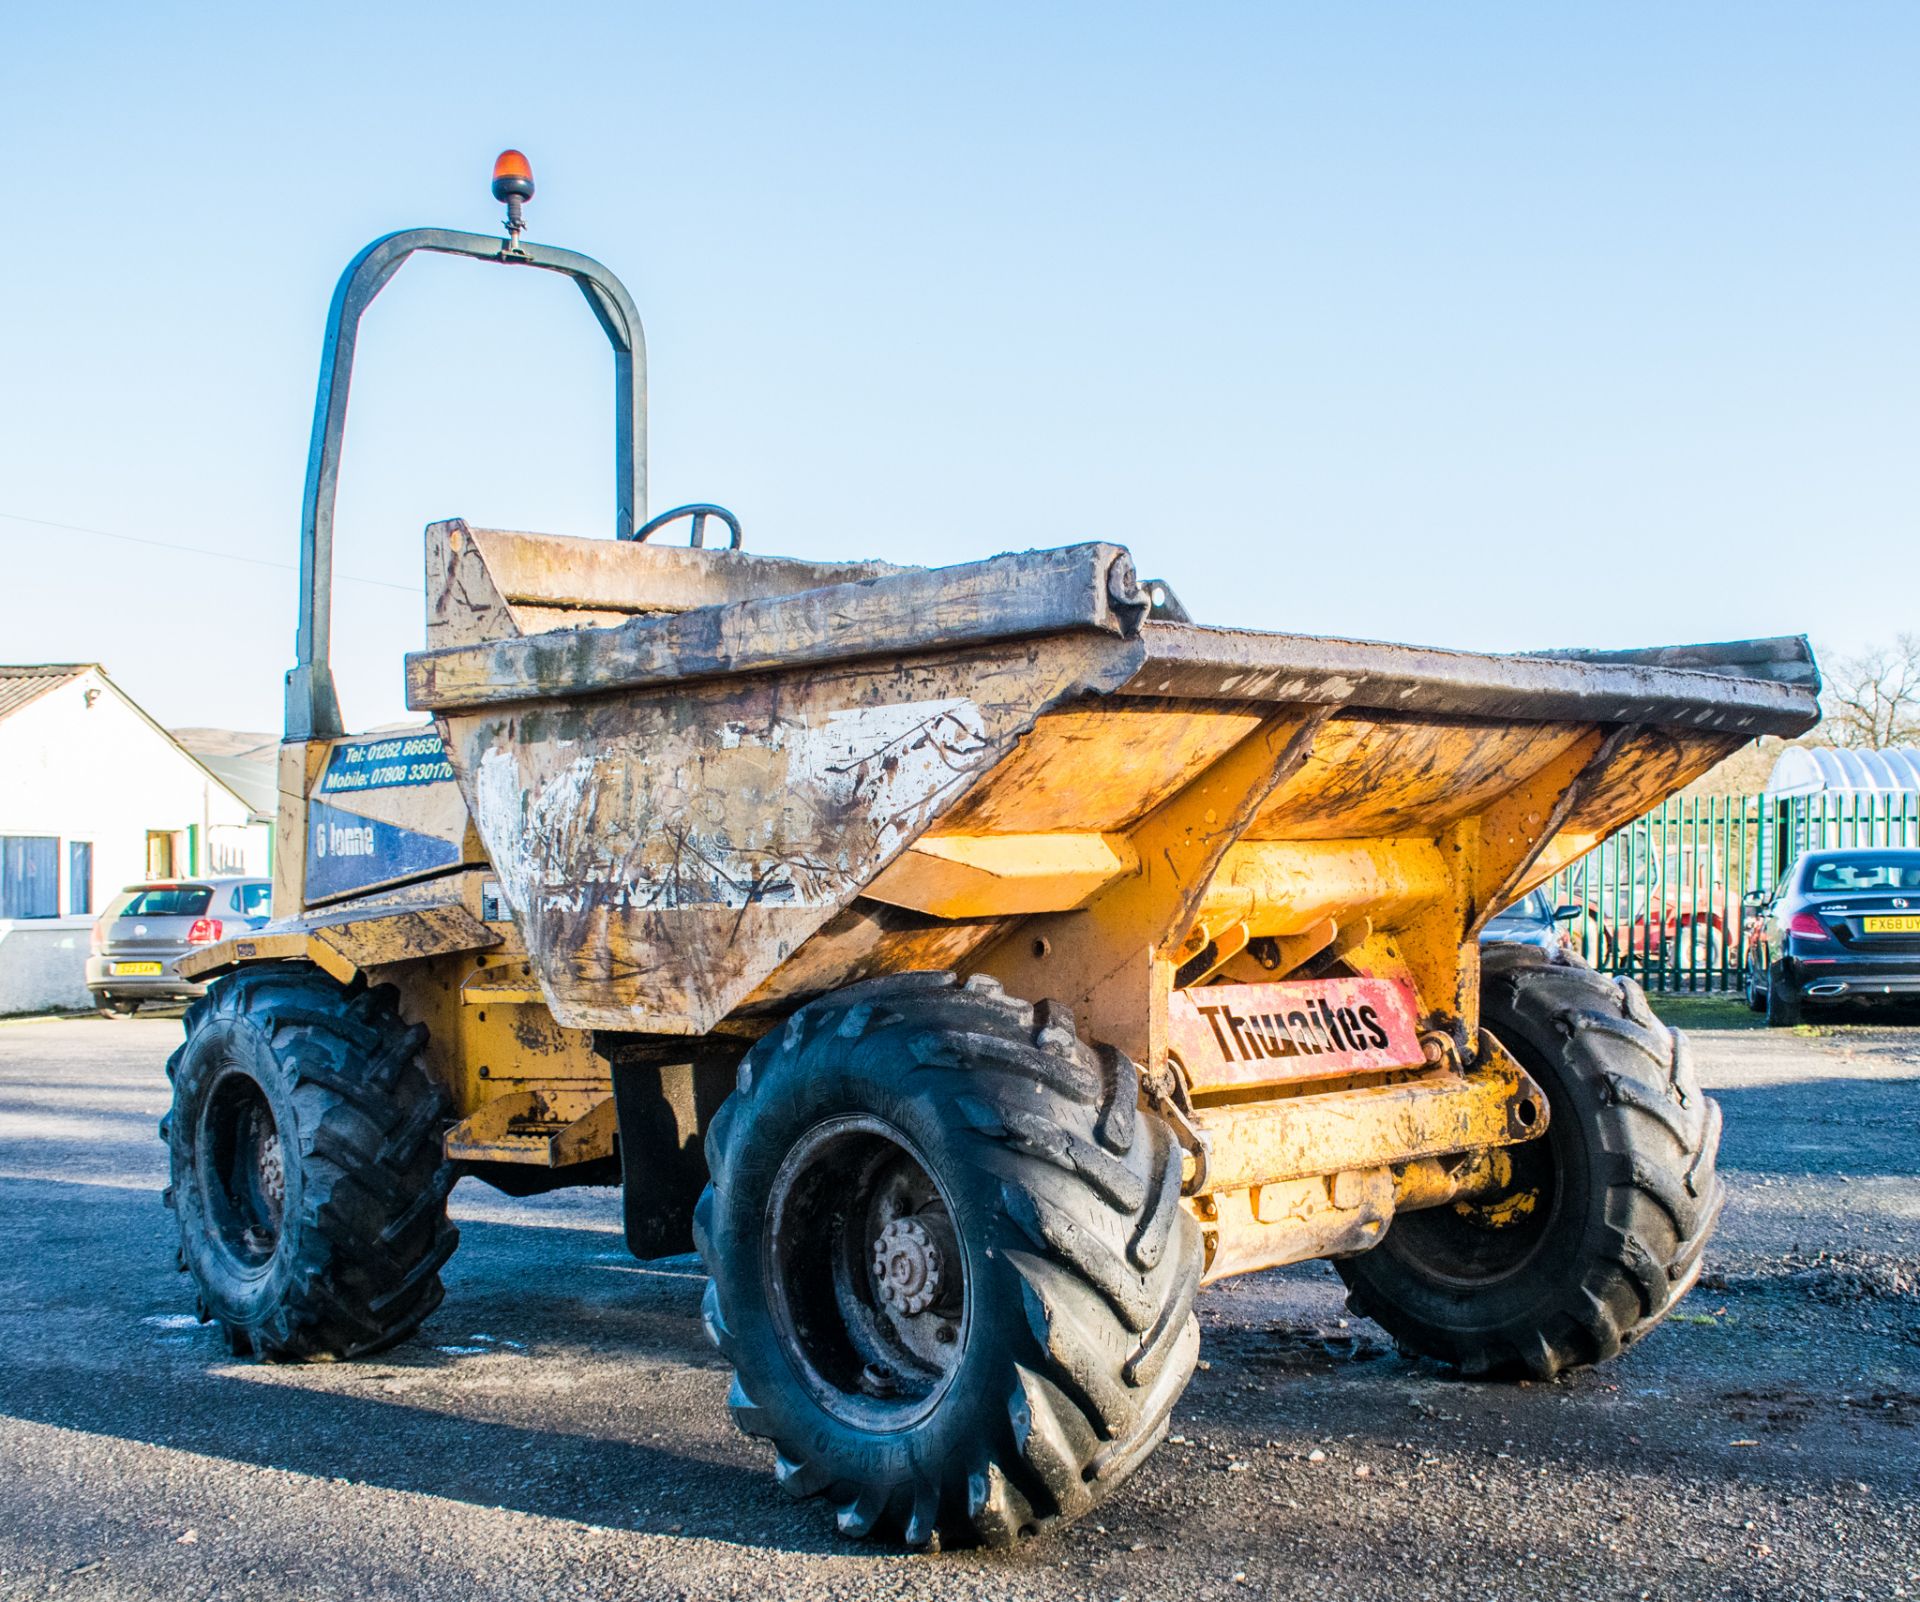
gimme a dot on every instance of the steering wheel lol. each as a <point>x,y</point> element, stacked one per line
<point>699,511</point>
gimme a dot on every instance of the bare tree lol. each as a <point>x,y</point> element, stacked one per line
<point>1872,697</point>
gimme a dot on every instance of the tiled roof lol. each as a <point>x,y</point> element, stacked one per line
<point>29,681</point>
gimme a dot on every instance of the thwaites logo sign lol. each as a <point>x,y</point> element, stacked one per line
<point>1307,1029</point>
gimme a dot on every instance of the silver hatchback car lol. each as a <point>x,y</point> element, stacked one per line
<point>145,930</point>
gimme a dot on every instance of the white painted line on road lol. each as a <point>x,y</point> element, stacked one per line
<point>481,1210</point>
<point>99,1127</point>
<point>104,1182</point>
<point>655,1273</point>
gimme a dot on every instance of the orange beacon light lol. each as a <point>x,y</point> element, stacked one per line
<point>512,177</point>
<point>513,183</point>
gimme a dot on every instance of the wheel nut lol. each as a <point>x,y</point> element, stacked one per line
<point>273,1171</point>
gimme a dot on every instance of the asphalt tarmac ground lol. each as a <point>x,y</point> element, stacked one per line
<point>559,1430</point>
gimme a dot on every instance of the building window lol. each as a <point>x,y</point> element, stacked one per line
<point>29,876</point>
<point>79,878</point>
<point>159,854</point>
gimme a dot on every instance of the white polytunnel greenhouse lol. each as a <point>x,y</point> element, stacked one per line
<point>1824,796</point>
<point>1836,770</point>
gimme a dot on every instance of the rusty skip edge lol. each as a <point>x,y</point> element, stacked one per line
<point>1753,687</point>
<point>1748,687</point>
<point>1089,587</point>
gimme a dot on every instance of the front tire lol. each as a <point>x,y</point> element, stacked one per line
<point>1600,1231</point>
<point>308,1180</point>
<point>949,1261</point>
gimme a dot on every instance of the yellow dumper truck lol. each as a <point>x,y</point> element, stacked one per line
<point>970,962</point>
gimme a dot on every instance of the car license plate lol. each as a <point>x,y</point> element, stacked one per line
<point>1898,923</point>
<point>133,969</point>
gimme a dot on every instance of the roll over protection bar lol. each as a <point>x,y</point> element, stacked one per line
<point>313,706</point>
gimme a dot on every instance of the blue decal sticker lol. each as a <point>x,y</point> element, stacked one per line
<point>346,852</point>
<point>387,764</point>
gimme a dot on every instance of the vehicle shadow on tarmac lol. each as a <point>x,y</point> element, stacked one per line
<point>592,1395</point>
<point>564,1380</point>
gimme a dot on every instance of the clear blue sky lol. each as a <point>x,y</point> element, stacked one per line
<point>1485,325</point>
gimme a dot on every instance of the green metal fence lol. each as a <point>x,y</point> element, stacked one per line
<point>1661,899</point>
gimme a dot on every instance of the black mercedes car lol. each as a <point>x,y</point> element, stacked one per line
<point>1840,924</point>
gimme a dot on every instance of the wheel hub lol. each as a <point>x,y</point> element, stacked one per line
<point>908,1266</point>
<point>273,1173</point>
<point>867,1280</point>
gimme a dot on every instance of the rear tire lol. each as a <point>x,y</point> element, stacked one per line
<point>308,1180</point>
<point>1601,1230</point>
<point>949,1260</point>
<point>1783,1002</point>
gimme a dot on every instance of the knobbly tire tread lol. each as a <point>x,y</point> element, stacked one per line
<point>1616,1260</point>
<point>357,1265</point>
<point>1091,1266</point>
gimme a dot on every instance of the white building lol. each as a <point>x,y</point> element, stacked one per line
<point>95,795</point>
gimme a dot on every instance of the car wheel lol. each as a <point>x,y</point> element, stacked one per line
<point>1701,955</point>
<point>1783,1001</point>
